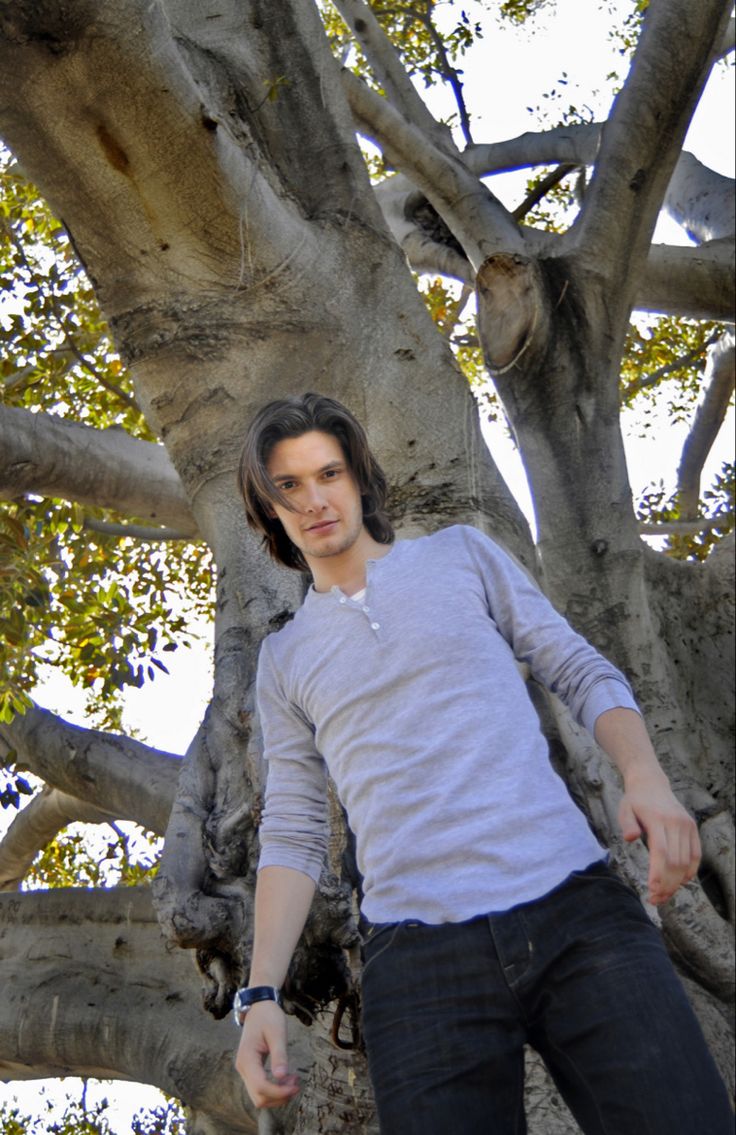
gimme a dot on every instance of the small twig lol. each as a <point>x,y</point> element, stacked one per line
<point>126,399</point>
<point>542,189</point>
<point>685,527</point>
<point>449,72</point>
<point>669,368</point>
<point>136,531</point>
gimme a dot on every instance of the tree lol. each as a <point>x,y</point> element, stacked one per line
<point>204,161</point>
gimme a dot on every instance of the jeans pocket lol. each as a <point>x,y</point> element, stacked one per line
<point>380,941</point>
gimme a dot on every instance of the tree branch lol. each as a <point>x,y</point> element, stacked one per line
<point>706,425</point>
<point>118,775</point>
<point>477,220</point>
<point>449,73</point>
<point>695,282</point>
<point>701,200</point>
<point>135,531</point>
<point>654,376</point>
<point>423,250</point>
<point>175,220</point>
<point>104,997</point>
<point>49,456</point>
<point>644,135</point>
<point>574,145</point>
<point>35,826</point>
<point>728,40</point>
<point>390,73</point>
<point>549,182</point>
<point>677,280</point>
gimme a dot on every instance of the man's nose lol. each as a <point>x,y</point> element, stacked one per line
<point>314,498</point>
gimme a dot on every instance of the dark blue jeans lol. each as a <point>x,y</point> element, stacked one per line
<point>581,975</point>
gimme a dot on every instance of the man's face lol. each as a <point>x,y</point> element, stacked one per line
<point>312,473</point>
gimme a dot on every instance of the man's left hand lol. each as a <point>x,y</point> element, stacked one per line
<point>650,810</point>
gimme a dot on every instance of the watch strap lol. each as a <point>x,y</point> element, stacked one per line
<point>245,998</point>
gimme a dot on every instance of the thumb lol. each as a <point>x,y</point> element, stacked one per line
<point>630,827</point>
<point>278,1054</point>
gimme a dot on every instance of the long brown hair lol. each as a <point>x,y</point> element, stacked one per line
<point>292,417</point>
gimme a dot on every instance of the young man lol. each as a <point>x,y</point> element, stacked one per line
<point>493,918</point>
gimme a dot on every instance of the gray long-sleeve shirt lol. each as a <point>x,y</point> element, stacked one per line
<point>413,700</point>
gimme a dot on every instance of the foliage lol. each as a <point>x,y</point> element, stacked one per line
<point>100,607</point>
<point>656,506</point>
<point>12,787</point>
<point>663,349</point>
<point>79,857</point>
<point>428,36</point>
<point>81,1118</point>
<point>628,34</point>
<point>168,1119</point>
<point>57,355</point>
<point>77,1120</point>
<point>412,26</point>
<point>519,11</point>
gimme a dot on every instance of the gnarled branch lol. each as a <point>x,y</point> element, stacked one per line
<point>706,425</point>
<point>49,456</point>
<point>35,826</point>
<point>118,775</point>
<point>701,200</point>
<point>389,71</point>
<point>477,220</point>
<point>88,988</point>
<point>644,135</point>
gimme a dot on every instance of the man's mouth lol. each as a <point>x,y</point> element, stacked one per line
<point>322,526</point>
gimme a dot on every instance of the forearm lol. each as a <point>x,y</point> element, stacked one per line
<point>283,899</point>
<point>622,735</point>
<point>648,807</point>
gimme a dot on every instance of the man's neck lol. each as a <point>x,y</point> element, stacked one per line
<point>347,570</point>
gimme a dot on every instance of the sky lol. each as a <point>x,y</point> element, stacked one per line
<point>508,72</point>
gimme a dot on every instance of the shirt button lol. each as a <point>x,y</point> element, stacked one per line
<point>366,609</point>
<point>343,600</point>
<point>375,626</point>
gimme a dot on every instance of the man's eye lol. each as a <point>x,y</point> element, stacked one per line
<point>286,485</point>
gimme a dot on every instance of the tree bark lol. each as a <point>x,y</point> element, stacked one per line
<point>52,457</point>
<point>116,774</point>
<point>87,987</point>
<point>221,206</point>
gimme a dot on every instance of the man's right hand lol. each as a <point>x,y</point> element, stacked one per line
<point>264,1038</point>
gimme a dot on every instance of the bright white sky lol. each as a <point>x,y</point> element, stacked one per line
<point>510,71</point>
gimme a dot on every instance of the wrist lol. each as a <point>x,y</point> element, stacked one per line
<point>251,995</point>
<point>639,774</point>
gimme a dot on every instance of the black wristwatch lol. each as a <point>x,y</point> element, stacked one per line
<point>245,998</point>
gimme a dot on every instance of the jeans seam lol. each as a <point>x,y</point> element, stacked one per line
<point>502,971</point>
<point>572,1063</point>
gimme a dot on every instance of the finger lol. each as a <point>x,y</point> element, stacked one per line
<point>264,1090</point>
<point>630,827</point>
<point>662,878</point>
<point>682,852</point>
<point>279,1058</point>
<point>277,1094</point>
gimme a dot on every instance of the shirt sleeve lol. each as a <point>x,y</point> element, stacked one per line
<point>557,656</point>
<point>294,827</point>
